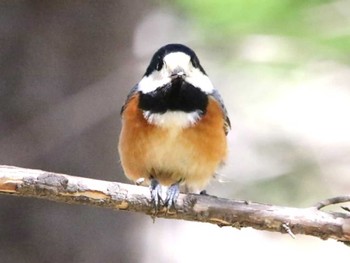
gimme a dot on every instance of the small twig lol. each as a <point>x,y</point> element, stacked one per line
<point>332,201</point>
<point>347,209</point>
<point>288,230</point>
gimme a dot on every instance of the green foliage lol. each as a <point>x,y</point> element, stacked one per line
<point>310,20</point>
<point>244,16</point>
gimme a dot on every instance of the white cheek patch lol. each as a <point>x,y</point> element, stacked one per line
<point>172,119</point>
<point>158,79</point>
<point>152,82</point>
<point>200,80</point>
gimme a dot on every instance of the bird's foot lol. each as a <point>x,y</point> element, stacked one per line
<point>203,192</point>
<point>171,196</point>
<point>156,195</point>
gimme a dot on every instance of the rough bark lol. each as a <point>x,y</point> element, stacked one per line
<point>201,208</point>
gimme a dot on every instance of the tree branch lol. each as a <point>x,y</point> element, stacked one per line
<point>191,207</point>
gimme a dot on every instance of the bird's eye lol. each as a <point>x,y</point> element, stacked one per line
<point>159,65</point>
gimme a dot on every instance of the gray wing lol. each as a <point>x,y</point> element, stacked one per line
<point>216,95</point>
<point>132,92</point>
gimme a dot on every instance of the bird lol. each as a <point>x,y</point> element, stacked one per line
<point>174,126</point>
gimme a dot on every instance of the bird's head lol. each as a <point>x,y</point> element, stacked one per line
<point>173,62</point>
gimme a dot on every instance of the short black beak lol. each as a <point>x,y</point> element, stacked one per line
<point>178,73</point>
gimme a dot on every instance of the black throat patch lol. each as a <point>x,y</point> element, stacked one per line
<point>175,96</point>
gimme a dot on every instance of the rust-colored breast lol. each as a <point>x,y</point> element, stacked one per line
<point>172,154</point>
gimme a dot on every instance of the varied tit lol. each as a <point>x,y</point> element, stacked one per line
<point>174,126</point>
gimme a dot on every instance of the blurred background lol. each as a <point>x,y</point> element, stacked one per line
<point>282,66</point>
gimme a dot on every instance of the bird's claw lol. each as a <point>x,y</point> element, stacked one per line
<point>171,196</point>
<point>156,195</point>
<point>203,192</point>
